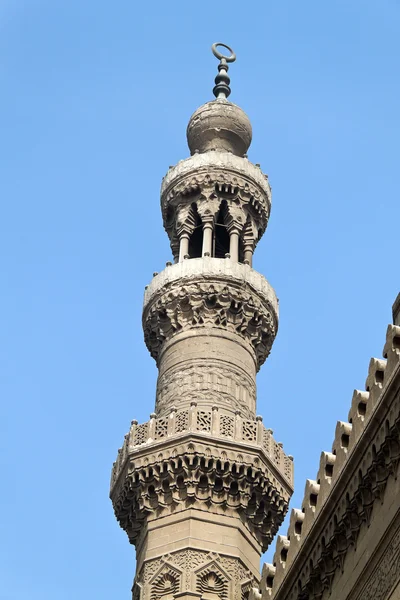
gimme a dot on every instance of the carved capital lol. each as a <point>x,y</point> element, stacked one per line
<point>208,209</point>
<point>185,221</point>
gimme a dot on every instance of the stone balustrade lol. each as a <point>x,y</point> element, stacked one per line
<point>214,423</point>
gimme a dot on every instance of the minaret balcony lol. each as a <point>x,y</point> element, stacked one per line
<point>229,298</point>
<point>206,460</point>
<point>207,192</point>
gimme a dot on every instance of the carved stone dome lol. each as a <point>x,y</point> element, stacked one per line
<point>219,125</point>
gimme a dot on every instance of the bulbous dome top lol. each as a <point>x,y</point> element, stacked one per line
<point>219,125</point>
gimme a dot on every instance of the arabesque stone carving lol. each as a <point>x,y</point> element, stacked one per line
<point>383,579</point>
<point>187,305</point>
<point>207,180</point>
<point>231,388</point>
<point>205,478</point>
<point>214,423</point>
<point>209,574</point>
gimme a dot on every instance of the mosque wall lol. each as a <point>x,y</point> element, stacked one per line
<point>344,541</point>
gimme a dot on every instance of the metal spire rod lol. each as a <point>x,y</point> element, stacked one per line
<point>222,80</point>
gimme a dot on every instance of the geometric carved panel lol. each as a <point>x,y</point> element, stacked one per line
<point>213,576</point>
<point>212,583</point>
<point>385,575</point>
<point>165,583</point>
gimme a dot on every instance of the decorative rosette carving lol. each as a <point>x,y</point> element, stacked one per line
<point>201,572</point>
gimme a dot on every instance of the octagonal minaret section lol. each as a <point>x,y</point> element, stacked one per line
<point>202,487</point>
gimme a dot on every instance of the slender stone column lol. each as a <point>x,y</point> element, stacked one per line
<point>207,238</point>
<point>234,244</point>
<point>184,246</point>
<point>248,255</point>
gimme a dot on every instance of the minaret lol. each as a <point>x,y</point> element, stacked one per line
<point>202,487</point>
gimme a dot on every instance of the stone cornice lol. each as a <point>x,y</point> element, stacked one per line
<point>335,507</point>
<point>228,167</point>
<point>208,181</point>
<point>205,425</point>
<point>204,475</point>
<point>206,267</point>
<point>213,293</point>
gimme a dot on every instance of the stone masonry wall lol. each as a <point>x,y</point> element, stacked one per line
<point>344,542</point>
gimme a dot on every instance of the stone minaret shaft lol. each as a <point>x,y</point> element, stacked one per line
<point>202,487</point>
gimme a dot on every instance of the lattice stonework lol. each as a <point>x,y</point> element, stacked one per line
<point>161,428</point>
<point>141,434</point>
<point>249,431</point>
<point>288,468</point>
<point>277,453</point>
<point>227,426</point>
<point>203,421</point>
<point>266,441</point>
<point>181,422</point>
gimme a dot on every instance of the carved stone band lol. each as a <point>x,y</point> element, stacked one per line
<point>196,294</point>
<point>215,423</point>
<point>205,382</point>
<point>212,187</point>
<point>210,169</point>
<point>205,477</point>
<point>189,569</point>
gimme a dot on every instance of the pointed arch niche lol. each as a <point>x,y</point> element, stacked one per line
<point>221,234</point>
<point>196,237</point>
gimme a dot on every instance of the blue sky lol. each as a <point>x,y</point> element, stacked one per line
<point>95,101</point>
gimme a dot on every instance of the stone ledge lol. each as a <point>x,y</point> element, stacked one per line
<point>207,475</point>
<point>213,424</point>
<point>200,164</point>
<point>215,295</point>
<point>207,267</point>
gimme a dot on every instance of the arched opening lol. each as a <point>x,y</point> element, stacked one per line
<point>221,235</point>
<point>196,239</point>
